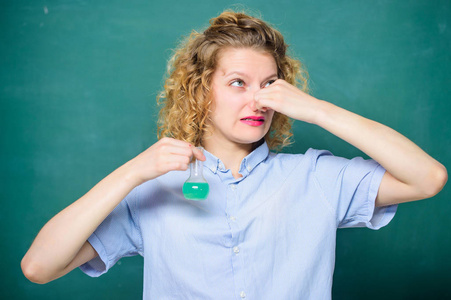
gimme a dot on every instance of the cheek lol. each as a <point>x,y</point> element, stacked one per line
<point>270,116</point>
<point>268,124</point>
<point>219,102</point>
<point>228,104</point>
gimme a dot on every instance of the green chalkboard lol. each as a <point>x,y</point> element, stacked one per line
<point>78,81</point>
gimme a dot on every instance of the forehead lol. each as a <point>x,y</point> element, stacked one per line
<point>246,60</point>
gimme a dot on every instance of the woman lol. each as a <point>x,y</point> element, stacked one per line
<point>267,228</point>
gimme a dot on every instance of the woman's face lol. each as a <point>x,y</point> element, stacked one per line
<point>240,73</point>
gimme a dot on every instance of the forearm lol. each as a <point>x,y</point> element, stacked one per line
<point>58,248</point>
<point>411,173</point>
<point>402,159</point>
<point>61,239</point>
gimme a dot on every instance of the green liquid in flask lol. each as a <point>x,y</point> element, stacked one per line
<point>195,190</point>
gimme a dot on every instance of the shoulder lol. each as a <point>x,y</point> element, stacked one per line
<point>320,163</point>
<point>310,157</point>
<point>293,164</point>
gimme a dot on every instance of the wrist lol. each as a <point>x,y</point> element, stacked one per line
<point>130,175</point>
<point>321,113</point>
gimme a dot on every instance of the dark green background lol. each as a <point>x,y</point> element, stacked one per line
<point>78,81</point>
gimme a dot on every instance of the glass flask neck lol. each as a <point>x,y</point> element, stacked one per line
<point>196,168</point>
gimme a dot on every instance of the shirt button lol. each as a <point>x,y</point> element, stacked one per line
<point>249,168</point>
<point>236,250</point>
<point>233,187</point>
<point>233,218</point>
<point>243,294</point>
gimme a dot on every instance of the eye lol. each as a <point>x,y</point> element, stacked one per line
<point>237,82</point>
<point>269,82</point>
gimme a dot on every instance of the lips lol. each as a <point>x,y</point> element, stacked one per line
<point>253,120</point>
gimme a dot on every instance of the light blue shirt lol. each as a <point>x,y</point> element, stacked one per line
<point>268,235</point>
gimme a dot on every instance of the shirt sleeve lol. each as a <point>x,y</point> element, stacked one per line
<point>351,187</point>
<point>116,237</point>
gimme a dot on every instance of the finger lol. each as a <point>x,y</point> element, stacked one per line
<point>173,163</point>
<point>198,153</point>
<point>178,164</point>
<point>183,150</point>
<point>179,147</point>
<point>265,101</point>
<point>173,142</point>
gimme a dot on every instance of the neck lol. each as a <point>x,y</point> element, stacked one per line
<point>231,154</point>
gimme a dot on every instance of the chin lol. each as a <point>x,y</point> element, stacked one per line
<point>251,140</point>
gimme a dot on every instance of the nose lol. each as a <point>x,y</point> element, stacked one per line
<point>252,103</point>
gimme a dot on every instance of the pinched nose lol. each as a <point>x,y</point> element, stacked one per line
<point>253,104</point>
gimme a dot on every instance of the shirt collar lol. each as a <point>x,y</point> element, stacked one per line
<point>247,164</point>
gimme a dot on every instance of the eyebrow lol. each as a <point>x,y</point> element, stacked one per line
<point>245,75</point>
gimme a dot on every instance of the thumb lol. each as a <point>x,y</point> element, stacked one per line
<point>198,153</point>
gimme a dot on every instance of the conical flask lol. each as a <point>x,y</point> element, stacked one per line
<point>196,187</point>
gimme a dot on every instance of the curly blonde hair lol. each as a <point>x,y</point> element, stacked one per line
<point>186,99</point>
